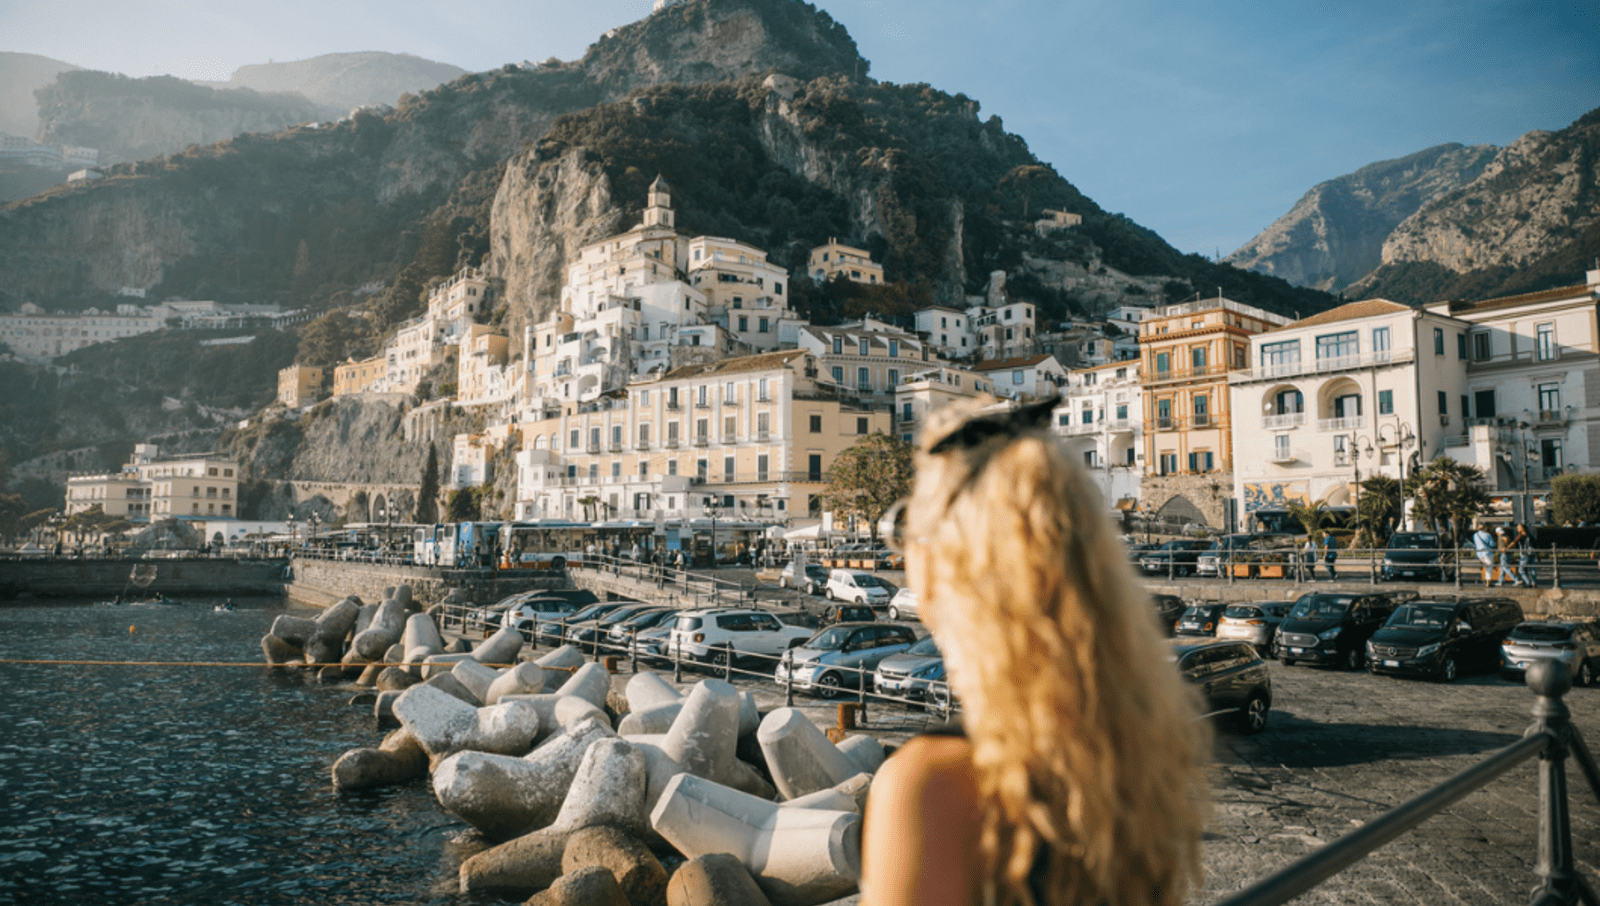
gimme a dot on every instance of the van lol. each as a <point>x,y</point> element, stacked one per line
<point>1331,628</point>
<point>857,587</point>
<point>1441,638</point>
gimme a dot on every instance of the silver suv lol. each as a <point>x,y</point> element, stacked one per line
<point>843,656</point>
<point>709,635</point>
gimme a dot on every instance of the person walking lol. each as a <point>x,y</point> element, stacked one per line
<point>1527,575</point>
<point>1502,546</point>
<point>1308,556</point>
<point>1076,778</point>
<point>1483,547</point>
<point>1330,553</point>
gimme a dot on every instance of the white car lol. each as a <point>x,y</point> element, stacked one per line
<point>857,587</point>
<point>903,606</point>
<point>706,635</point>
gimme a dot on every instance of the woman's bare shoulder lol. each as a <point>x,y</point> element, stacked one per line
<point>930,775</point>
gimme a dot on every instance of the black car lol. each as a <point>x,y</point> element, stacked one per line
<point>552,633</point>
<point>1180,558</point>
<point>1168,609</point>
<point>1200,620</point>
<point>1416,555</point>
<point>1332,628</point>
<point>1232,677</point>
<point>1441,638</point>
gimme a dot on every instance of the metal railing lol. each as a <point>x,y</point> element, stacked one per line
<point>1551,739</point>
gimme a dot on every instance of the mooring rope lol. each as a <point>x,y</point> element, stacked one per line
<point>295,665</point>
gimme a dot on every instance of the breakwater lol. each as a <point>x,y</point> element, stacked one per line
<point>173,578</point>
<point>322,583</point>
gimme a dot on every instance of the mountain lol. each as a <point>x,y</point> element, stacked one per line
<point>1334,234</point>
<point>20,75</point>
<point>337,82</point>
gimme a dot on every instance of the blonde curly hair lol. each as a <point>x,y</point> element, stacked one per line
<point>1085,741</point>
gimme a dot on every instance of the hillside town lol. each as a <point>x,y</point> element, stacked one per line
<point>676,380</point>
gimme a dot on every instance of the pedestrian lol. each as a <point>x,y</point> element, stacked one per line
<point>1483,547</point>
<point>678,561</point>
<point>1527,575</point>
<point>633,552</point>
<point>1330,553</point>
<point>1502,547</point>
<point>1076,778</point>
<point>1308,555</point>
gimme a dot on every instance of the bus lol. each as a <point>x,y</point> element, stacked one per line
<point>552,544</point>
<point>1279,521</point>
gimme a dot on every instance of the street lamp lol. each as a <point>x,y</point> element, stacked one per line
<point>293,538</point>
<point>315,522</point>
<point>711,507</point>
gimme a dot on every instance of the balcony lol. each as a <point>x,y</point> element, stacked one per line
<point>1168,423</point>
<point>1201,421</point>
<point>1352,423</point>
<point>1324,366</point>
<point>1122,426</point>
<point>1286,420</point>
<point>672,443</point>
<point>1075,428</point>
<point>1341,459</point>
<point>643,444</point>
<point>1176,374</point>
<point>1552,417</point>
<point>730,438</point>
<point>762,436</point>
<point>616,446</point>
<point>701,440</point>
<point>703,404</point>
<point>594,446</point>
<point>672,405</point>
<point>1284,456</point>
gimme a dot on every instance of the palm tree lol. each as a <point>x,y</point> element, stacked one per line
<point>589,505</point>
<point>1380,507</point>
<point>1312,516</point>
<point>1449,493</point>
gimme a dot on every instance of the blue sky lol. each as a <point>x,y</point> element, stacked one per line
<point>1202,120</point>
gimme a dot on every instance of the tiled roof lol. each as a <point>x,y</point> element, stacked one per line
<point>1546,295</point>
<point>763,362</point>
<point>998,364</point>
<point>1348,312</point>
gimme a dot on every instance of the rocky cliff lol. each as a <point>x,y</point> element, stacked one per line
<point>1334,234</point>
<point>337,82</point>
<point>21,74</point>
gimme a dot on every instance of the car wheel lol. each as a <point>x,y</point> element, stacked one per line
<point>1253,718</point>
<point>828,593</point>
<point>783,581</point>
<point>1353,659</point>
<point>559,563</point>
<point>1585,675</point>
<point>1447,670</point>
<point>894,612</point>
<point>1276,649</point>
<point>828,685</point>
<point>718,658</point>
<point>1287,661</point>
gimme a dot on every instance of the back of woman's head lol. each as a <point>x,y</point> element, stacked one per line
<point>1084,736</point>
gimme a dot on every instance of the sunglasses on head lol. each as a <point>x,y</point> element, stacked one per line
<point>974,432</point>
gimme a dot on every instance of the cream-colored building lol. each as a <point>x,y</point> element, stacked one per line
<point>1002,331</point>
<point>1341,396</point>
<point>1056,220</point>
<point>417,347</point>
<point>947,330</point>
<point>1101,417</point>
<point>924,391</point>
<point>868,358</point>
<point>33,333</point>
<point>366,376</point>
<point>299,385</point>
<point>1026,377</point>
<point>152,487</point>
<point>481,370</point>
<point>835,259</point>
<point>120,494</point>
<point>457,302</point>
<point>752,437</point>
<point>744,292</point>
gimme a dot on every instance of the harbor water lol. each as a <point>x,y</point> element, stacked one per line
<point>144,783</point>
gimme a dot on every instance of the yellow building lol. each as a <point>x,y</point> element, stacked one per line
<point>152,487</point>
<point>751,437</point>
<point>359,377</point>
<point>837,259</point>
<point>923,392</point>
<point>1187,351</point>
<point>299,385</point>
<point>480,373</point>
<point>116,493</point>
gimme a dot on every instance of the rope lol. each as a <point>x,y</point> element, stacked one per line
<point>297,664</point>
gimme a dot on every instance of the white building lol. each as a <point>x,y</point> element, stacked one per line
<point>925,391</point>
<point>1101,418</point>
<point>947,330</point>
<point>1027,377</point>
<point>868,357</point>
<point>1338,397</point>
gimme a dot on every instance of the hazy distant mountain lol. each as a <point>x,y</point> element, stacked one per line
<point>340,81</point>
<point>1334,234</point>
<point>20,74</point>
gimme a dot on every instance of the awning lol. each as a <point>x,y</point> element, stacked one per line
<point>1127,503</point>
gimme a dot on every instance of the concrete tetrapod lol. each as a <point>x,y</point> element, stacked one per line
<point>326,644</point>
<point>798,856</point>
<point>703,740</point>
<point>850,796</point>
<point>559,665</point>
<point>593,886</point>
<point>590,682</point>
<point>523,679</point>
<point>499,649</point>
<point>636,868</point>
<point>800,757</point>
<point>476,676</point>
<point>717,879</point>
<point>397,760</point>
<point>384,632</point>
<point>504,797</point>
<point>607,789</point>
<point>658,718</point>
<point>444,724</point>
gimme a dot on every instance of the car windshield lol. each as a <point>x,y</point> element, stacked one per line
<point>590,612</point>
<point>618,615</point>
<point>927,648</point>
<point>1321,607</point>
<point>830,639</point>
<point>1241,612</point>
<point>688,624</point>
<point>864,580</point>
<point>1412,541</point>
<point>1198,611</point>
<point>1541,632</point>
<point>1423,615</point>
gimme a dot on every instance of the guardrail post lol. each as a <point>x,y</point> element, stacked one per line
<point>1172,558</point>
<point>633,648</point>
<point>1229,555</point>
<point>677,661</point>
<point>727,667</point>
<point>1551,680</point>
<point>788,678</point>
<point>861,694</point>
<point>1458,569</point>
<point>1372,567</point>
<point>1555,568</point>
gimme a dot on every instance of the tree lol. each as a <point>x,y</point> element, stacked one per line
<point>868,478</point>
<point>1312,516</point>
<point>1449,495</point>
<point>590,504</point>
<point>1380,507</point>
<point>428,494</point>
<point>1575,499</point>
<point>465,505</point>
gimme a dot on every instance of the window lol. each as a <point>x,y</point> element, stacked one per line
<point>838,345</point>
<point>729,394</point>
<point>1480,347</point>
<point>594,438</point>
<point>1338,346</point>
<point>1086,417</point>
<point>838,374</point>
<point>1164,413</point>
<point>894,377</point>
<point>1544,342</point>
<point>701,429</point>
<point>1008,333</point>
<point>616,435</point>
<point>761,467</point>
<point>1163,363</point>
<point>1169,463</point>
<point>894,349</point>
<point>577,439</point>
<point>1088,459</point>
<point>644,471</point>
<point>730,427</point>
<point>727,468</point>
<point>702,468</point>
<point>863,379</point>
<point>1197,358</point>
<point>1550,455</point>
<point>1122,412</point>
<point>1016,376</point>
<point>861,426</point>
<point>1284,355</point>
<point>1483,403</point>
<point>1385,402</point>
<point>1341,449</point>
<point>761,391</point>
<point>1444,404</point>
<point>1380,339</point>
<point>1347,406</point>
<point>761,325</point>
<point>1549,400</point>
<point>1461,345</point>
<point>1438,341</point>
<point>672,434</point>
<point>644,435</point>
<point>1202,406</point>
<point>863,347</point>
<point>672,469</point>
<point>616,469</point>
<point>1280,447</point>
<point>1200,461</point>
<point>816,424</point>
<point>594,471</point>
<point>763,422</point>
<point>744,323</point>
<point>702,398</point>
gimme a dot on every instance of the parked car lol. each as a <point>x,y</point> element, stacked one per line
<point>1210,561</point>
<point>1180,557</point>
<point>526,617</point>
<point>1135,551</point>
<point>1416,555</point>
<point>1240,548</point>
<point>708,635</point>
<point>1254,623</point>
<point>1440,638</point>
<point>1573,642</point>
<point>1332,628</point>
<point>857,586</point>
<point>1168,609</point>
<point>903,606</point>
<point>1231,676</point>
<point>909,674</point>
<point>815,579</point>
<point>551,633</point>
<point>841,656</point>
<point>846,613</point>
<point>621,635</point>
<point>588,632</point>
<point>1200,620</point>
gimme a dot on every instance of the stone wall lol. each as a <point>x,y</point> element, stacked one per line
<point>1207,492</point>
<point>174,578</point>
<point>323,582</point>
